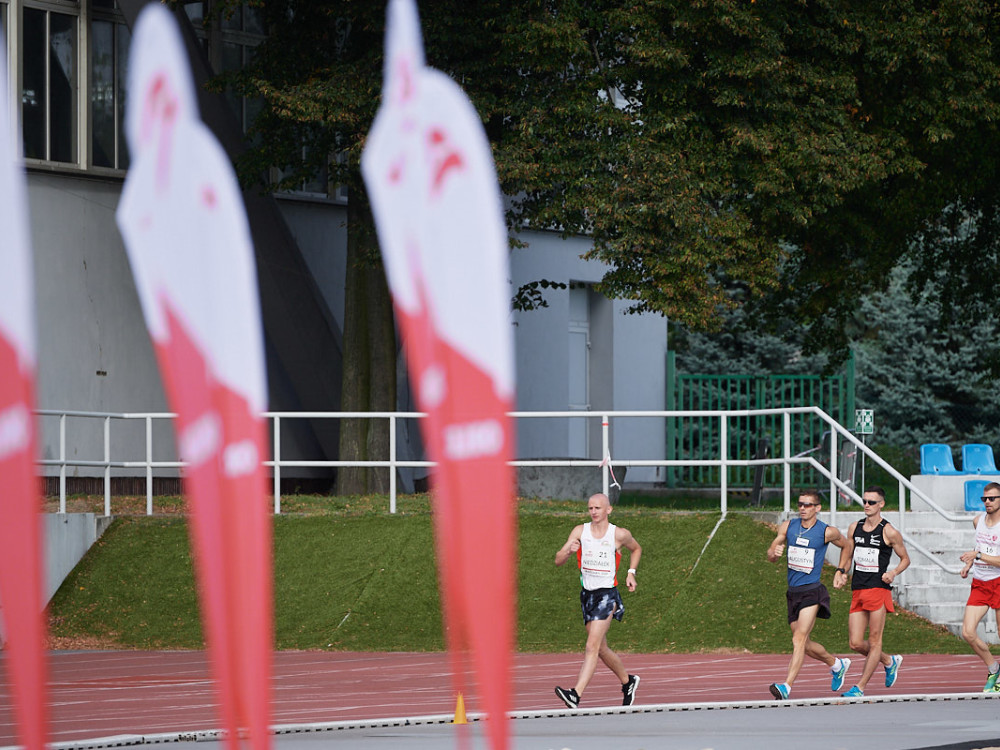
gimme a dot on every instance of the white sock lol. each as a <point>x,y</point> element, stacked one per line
<point>995,667</point>
<point>837,665</point>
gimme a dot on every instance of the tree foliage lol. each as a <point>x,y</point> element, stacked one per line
<point>799,149</point>
<point>928,382</point>
<point>738,348</point>
<point>794,146</point>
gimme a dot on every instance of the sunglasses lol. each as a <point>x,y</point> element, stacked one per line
<point>990,498</point>
<point>870,502</point>
<point>807,505</point>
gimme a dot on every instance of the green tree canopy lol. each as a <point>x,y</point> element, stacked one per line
<point>797,148</point>
<point>794,146</point>
<point>928,382</point>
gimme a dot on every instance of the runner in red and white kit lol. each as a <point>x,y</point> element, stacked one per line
<point>984,561</point>
<point>597,547</point>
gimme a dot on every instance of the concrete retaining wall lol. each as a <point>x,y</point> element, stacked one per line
<point>66,539</point>
<point>565,482</point>
<point>68,536</point>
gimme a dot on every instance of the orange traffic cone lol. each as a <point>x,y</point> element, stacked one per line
<point>460,711</point>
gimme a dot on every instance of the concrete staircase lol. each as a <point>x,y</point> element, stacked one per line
<point>925,588</point>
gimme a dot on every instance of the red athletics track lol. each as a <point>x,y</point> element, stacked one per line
<point>96,694</point>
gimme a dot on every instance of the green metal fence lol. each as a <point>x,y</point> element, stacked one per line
<point>698,437</point>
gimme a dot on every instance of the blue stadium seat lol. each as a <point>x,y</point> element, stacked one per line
<point>977,458</point>
<point>973,492</point>
<point>935,458</point>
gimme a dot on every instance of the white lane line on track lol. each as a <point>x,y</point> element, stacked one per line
<point>215,734</point>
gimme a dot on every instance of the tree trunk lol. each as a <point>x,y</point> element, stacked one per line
<point>369,379</point>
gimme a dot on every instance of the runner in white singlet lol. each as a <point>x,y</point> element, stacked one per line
<point>597,547</point>
<point>984,562</point>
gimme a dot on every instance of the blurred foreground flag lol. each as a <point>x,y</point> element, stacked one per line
<point>20,525</point>
<point>437,206</point>
<point>188,242</point>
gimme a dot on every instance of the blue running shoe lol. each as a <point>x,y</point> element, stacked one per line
<point>838,677</point>
<point>854,692</point>
<point>893,670</point>
<point>991,683</point>
<point>780,691</point>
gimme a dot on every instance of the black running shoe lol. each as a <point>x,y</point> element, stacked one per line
<point>628,690</point>
<point>569,697</point>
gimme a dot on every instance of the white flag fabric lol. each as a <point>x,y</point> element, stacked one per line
<point>20,530</point>
<point>436,201</point>
<point>188,241</point>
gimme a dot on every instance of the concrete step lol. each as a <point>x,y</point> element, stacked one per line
<point>928,520</point>
<point>941,613</point>
<point>943,538</point>
<point>924,573</point>
<point>939,553</point>
<point>913,520</point>
<point>936,593</point>
<point>987,627</point>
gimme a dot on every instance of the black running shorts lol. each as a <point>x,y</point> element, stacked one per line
<point>806,596</point>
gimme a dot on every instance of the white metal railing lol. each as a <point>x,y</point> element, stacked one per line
<point>148,464</point>
<point>606,463</point>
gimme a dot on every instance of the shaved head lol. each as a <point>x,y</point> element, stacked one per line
<point>599,497</point>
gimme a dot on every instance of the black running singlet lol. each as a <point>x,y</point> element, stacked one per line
<point>872,554</point>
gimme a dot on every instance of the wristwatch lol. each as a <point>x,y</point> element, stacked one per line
<point>632,571</point>
<point>841,570</point>
<point>979,555</point>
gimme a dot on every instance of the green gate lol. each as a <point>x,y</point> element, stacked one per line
<point>697,438</point>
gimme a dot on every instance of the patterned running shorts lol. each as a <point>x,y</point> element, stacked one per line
<point>600,604</point>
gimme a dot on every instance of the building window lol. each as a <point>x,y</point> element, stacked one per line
<point>109,42</point>
<point>245,19</point>
<point>230,42</point>
<point>241,33</point>
<point>235,56</point>
<point>49,85</point>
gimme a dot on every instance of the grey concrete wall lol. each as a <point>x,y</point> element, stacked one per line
<point>948,491</point>
<point>630,353</point>
<point>640,383</point>
<point>66,537</point>
<point>565,482</point>
<point>320,231</point>
<point>94,353</point>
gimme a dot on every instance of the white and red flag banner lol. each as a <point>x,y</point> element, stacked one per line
<point>188,241</point>
<point>436,201</point>
<point>20,525</point>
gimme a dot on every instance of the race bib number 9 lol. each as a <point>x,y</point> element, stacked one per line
<point>866,559</point>
<point>801,558</point>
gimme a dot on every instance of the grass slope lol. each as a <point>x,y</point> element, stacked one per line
<point>356,578</point>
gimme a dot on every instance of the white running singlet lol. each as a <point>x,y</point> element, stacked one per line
<point>598,559</point>
<point>987,542</point>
